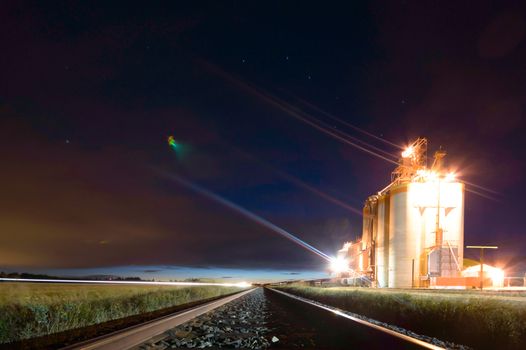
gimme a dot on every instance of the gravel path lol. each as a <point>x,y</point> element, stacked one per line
<point>239,324</point>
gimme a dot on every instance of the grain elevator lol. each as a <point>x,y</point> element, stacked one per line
<point>413,229</point>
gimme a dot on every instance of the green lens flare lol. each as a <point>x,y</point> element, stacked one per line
<point>179,149</point>
<point>171,142</point>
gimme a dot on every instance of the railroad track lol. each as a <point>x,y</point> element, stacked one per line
<point>408,339</point>
<point>290,319</point>
<point>130,337</point>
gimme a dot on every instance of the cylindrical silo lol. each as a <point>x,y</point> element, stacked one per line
<point>403,240</point>
<point>382,242</point>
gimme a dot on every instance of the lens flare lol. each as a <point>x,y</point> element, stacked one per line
<point>172,142</point>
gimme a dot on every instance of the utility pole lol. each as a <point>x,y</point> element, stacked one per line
<point>481,247</point>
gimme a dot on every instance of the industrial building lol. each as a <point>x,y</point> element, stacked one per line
<point>413,229</point>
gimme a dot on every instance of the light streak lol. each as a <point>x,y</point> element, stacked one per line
<point>333,117</point>
<point>481,187</point>
<point>483,195</point>
<point>323,195</point>
<point>350,138</point>
<point>153,283</point>
<point>249,215</point>
<point>299,182</point>
<point>290,110</point>
<point>307,119</point>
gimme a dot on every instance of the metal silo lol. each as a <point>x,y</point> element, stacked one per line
<point>403,240</point>
<point>382,242</point>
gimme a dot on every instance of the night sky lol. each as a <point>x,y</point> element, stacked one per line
<point>90,91</point>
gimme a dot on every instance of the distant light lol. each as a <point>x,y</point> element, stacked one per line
<point>243,284</point>
<point>339,265</point>
<point>408,152</point>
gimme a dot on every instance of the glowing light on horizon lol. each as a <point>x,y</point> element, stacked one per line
<point>154,283</point>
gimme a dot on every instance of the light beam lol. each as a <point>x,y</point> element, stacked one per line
<point>153,283</point>
<point>249,215</point>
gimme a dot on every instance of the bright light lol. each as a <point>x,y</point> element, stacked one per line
<point>432,176</point>
<point>422,173</point>
<point>408,152</point>
<point>339,265</point>
<point>243,284</point>
<point>450,177</point>
<point>497,277</point>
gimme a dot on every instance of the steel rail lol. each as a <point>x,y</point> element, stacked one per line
<point>135,335</point>
<point>363,322</point>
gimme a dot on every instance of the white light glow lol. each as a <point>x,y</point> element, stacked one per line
<point>408,152</point>
<point>339,265</point>
<point>240,284</point>
<point>497,277</point>
<point>243,284</point>
<point>432,176</point>
<point>450,177</point>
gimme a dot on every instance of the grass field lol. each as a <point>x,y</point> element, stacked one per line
<point>30,310</point>
<point>483,321</point>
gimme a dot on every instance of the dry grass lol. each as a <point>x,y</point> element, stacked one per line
<point>30,310</point>
<point>478,320</point>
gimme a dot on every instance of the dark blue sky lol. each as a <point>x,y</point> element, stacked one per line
<point>90,91</point>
